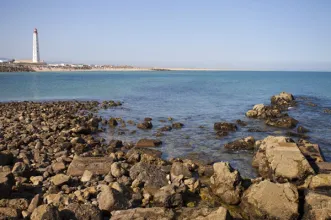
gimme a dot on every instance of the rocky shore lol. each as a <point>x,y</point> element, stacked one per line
<point>15,68</point>
<point>54,165</point>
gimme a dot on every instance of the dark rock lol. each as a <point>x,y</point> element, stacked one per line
<point>165,128</point>
<point>148,119</point>
<point>168,197</point>
<point>112,122</point>
<point>148,143</point>
<point>285,122</point>
<point>241,123</point>
<point>283,99</point>
<point>6,183</point>
<point>224,126</point>
<point>6,158</point>
<point>177,125</point>
<point>302,130</point>
<point>180,168</point>
<point>241,144</point>
<point>145,125</point>
<point>115,144</point>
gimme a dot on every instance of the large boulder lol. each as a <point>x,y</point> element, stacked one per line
<point>317,206</point>
<point>226,183</point>
<point>279,159</point>
<point>262,111</point>
<point>6,183</point>
<point>110,199</point>
<point>283,122</point>
<point>46,212</point>
<point>97,165</point>
<point>267,200</point>
<point>283,99</point>
<point>241,144</point>
<point>148,143</point>
<point>81,211</point>
<point>154,213</point>
<point>150,175</point>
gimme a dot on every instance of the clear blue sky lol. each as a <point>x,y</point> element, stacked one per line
<point>278,34</point>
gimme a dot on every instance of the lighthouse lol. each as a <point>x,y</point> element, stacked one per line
<point>35,49</point>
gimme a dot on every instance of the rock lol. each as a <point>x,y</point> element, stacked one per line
<point>148,143</point>
<point>77,140</point>
<point>284,122</point>
<point>96,165</point>
<point>118,169</point>
<point>36,180</point>
<point>145,125</point>
<point>81,211</point>
<point>145,155</point>
<point>58,166</point>
<point>317,206</point>
<point>241,144</point>
<point>149,175</point>
<point>46,212</point>
<point>177,125</point>
<point>264,112</point>
<point>60,179</point>
<point>252,113</point>
<point>9,213</point>
<point>165,128</point>
<point>226,183</point>
<point>320,182</point>
<point>302,130</point>
<point>267,200</point>
<point>110,199</point>
<point>179,168</point>
<point>284,99</point>
<point>87,176</point>
<point>6,158</point>
<point>323,167</point>
<point>35,202</point>
<point>154,213</point>
<point>281,160</point>
<point>19,168</point>
<point>82,130</point>
<point>115,144</point>
<point>311,151</point>
<point>6,183</point>
<point>241,123</point>
<point>112,122</point>
<point>224,126</point>
<point>205,214</point>
<point>168,197</point>
<point>148,119</point>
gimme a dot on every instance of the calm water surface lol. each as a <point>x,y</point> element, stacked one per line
<point>197,99</point>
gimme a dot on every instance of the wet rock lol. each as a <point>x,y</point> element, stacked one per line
<point>283,99</point>
<point>97,165</point>
<point>149,175</point>
<point>327,110</point>
<point>148,119</point>
<point>115,144</point>
<point>226,183</point>
<point>148,143</point>
<point>145,125</point>
<point>284,122</point>
<point>168,197</point>
<point>6,183</point>
<point>46,212</point>
<point>112,122</point>
<point>317,206</point>
<point>118,169</point>
<point>81,211</point>
<point>279,159</point>
<point>154,213</point>
<point>241,123</point>
<point>60,179</point>
<point>222,133</point>
<point>110,199</point>
<point>294,134</point>
<point>224,126</point>
<point>6,158</point>
<point>241,144</point>
<point>302,130</point>
<point>165,128</point>
<point>267,200</point>
<point>177,125</point>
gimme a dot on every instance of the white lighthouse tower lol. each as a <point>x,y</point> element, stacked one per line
<point>35,49</point>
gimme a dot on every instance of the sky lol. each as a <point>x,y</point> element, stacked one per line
<point>240,34</point>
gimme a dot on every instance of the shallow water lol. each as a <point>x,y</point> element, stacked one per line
<point>193,98</point>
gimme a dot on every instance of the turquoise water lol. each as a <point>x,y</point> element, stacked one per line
<point>194,98</point>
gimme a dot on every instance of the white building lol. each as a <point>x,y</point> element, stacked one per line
<point>35,49</point>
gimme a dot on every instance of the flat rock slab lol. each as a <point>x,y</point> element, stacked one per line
<point>97,165</point>
<point>323,167</point>
<point>267,200</point>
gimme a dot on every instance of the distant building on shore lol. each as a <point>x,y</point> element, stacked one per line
<point>35,47</point>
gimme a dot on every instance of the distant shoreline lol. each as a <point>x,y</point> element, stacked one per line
<point>37,69</point>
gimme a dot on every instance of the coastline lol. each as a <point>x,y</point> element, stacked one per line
<point>43,69</point>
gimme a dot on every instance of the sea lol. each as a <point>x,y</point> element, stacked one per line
<point>197,99</point>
